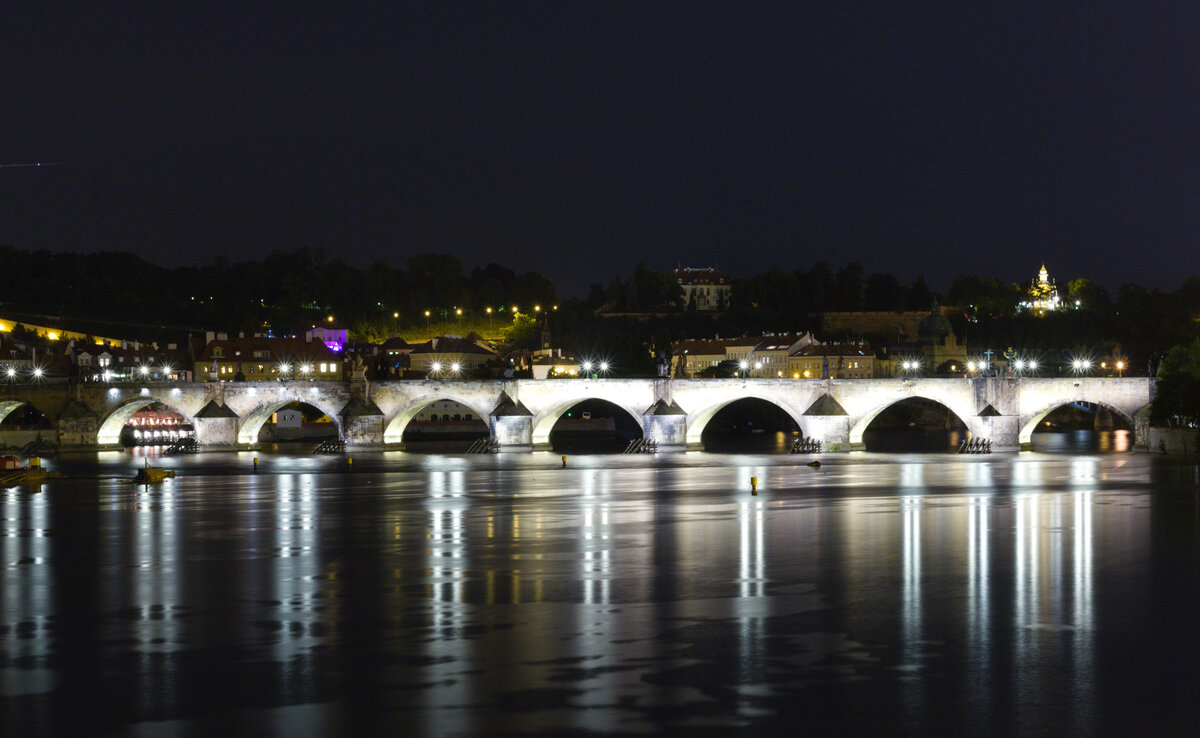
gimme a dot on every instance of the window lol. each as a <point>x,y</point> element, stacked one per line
<point>218,351</point>
<point>323,367</point>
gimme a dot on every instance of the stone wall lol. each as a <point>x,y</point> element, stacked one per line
<point>1174,441</point>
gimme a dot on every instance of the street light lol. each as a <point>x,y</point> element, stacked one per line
<point>489,314</point>
<point>285,369</point>
<point>436,367</point>
<point>306,369</point>
<point>455,367</point>
<point>144,370</point>
<point>742,367</point>
<point>604,367</point>
<point>427,320</point>
<point>1120,367</point>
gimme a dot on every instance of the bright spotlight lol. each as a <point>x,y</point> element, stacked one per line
<point>604,366</point>
<point>12,372</point>
<point>1020,365</point>
<point>587,366</point>
<point>306,368</point>
<point>455,367</point>
<point>970,366</point>
<point>37,372</point>
<point>437,366</point>
<point>1033,365</point>
<point>285,368</point>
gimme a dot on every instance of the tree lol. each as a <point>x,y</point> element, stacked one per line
<point>1177,396</point>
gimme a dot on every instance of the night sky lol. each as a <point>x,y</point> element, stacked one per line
<point>575,139</point>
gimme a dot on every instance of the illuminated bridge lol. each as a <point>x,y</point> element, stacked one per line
<point>521,413</point>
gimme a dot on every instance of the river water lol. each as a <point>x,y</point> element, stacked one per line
<point>1054,592</point>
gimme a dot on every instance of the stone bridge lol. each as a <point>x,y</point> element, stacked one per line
<point>521,413</point>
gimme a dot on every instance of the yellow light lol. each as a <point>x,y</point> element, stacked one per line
<point>796,375</point>
<point>515,309</point>
<point>489,311</point>
<point>426,313</point>
<point>395,315</point>
<point>329,319</point>
<point>1120,365</point>
<point>537,308</point>
<point>458,311</point>
<point>52,336</point>
<point>779,374</point>
<point>807,374</point>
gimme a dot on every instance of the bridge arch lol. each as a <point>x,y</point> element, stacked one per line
<point>964,413</point>
<point>698,421</point>
<point>253,423</point>
<point>393,432</point>
<point>110,428</point>
<point>8,406</point>
<point>1025,436</point>
<point>544,421</point>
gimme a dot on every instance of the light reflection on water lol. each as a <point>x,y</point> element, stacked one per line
<point>949,593</point>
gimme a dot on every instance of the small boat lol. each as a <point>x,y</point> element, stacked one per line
<point>153,474</point>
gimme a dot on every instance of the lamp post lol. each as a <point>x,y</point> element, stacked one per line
<point>489,314</point>
<point>426,321</point>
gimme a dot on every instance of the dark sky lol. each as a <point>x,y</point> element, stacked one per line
<point>575,138</point>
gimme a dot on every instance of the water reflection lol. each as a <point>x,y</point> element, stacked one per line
<point>465,597</point>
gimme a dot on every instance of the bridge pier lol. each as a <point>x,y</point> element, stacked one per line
<point>833,431</point>
<point>1001,430</point>
<point>511,425</point>
<point>216,425</point>
<point>665,424</point>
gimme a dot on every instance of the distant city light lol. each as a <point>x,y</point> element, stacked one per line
<point>587,366</point>
<point>970,366</point>
<point>12,372</point>
<point>285,368</point>
<point>144,370</point>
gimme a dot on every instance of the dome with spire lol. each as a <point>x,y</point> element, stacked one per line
<point>934,327</point>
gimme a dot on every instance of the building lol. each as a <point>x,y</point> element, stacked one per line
<point>15,361</point>
<point>260,358</point>
<point>689,358</point>
<point>832,361</point>
<point>129,362</point>
<point>450,356</point>
<point>705,289</point>
<point>770,357</point>
<point>1042,294</point>
<point>330,334</point>
<point>936,350</point>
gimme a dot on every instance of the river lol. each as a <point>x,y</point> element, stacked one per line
<point>1053,592</point>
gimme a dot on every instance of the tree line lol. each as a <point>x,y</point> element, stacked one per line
<point>288,291</point>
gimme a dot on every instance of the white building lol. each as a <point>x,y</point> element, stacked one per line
<point>707,288</point>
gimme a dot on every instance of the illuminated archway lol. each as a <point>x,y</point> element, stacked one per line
<point>697,422</point>
<point>961,414</point>
<point>250,427</point>
<point>8,407</point>
<point>1025,437</point>
<point>544,423</point>
<point>394,432</point>
<point>110,429</point>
